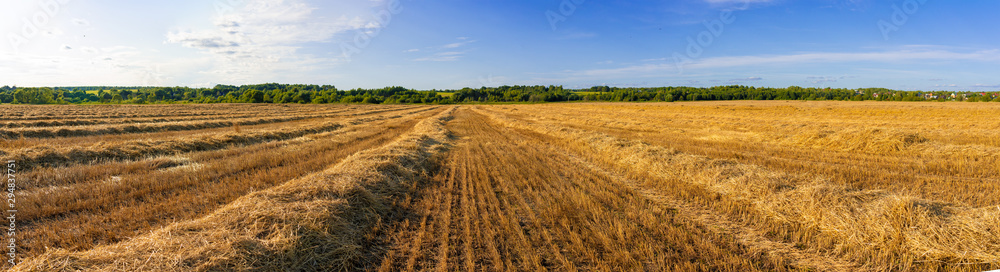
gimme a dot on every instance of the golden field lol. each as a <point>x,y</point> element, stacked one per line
<point>697,186</point>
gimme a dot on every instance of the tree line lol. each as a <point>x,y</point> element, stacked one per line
<point>259,93</point>
<point>322,94</point>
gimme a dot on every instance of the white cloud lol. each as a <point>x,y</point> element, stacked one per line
<point>257,41</point>
<point>263,37</point>
<point>77,68</point>
<point>263,29</point>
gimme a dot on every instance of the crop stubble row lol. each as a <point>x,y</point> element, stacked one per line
<point>881,228</point>
<point>84,205</point>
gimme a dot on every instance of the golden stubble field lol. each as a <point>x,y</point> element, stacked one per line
<point>708,186</point>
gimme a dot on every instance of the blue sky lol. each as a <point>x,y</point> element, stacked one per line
<point>444,44</point>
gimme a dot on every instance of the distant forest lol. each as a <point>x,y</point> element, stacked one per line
<point>298,93</point>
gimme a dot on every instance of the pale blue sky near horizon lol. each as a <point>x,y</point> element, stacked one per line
<point>450,44</point>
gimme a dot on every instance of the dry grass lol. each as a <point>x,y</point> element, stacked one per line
<point>720,186</point>
<point>913,148</point>
<point>113,150</point>
<point>111,113</point>
<point>123,189</point>
<point>88,121</point>
<point>880,228</point>
<point>507,201</point>
<point>140,128</point>
<point>306,115</point>
<point>317,222</point>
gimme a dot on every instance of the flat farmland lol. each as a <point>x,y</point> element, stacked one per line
<point>695,186</point>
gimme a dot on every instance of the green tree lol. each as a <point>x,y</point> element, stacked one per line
<point>34,96</point>
<point>161,94</point>
<point>303,97</point>
<point>252,96</point>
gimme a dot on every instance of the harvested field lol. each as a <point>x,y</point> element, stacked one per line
<point>715,186</point>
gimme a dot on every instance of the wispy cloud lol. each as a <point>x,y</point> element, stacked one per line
<point>726,2</point>
<point>744,80</point>
<point>443,56</point>
<point>464,42</point>
<point>81,22</point>
<point>577,36</point>
<point>448,52</point>
<point>737,4</point>
<point>824,79</point>
<point>889,56</point>
<point>820,79</point>
<point>901,56</point>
